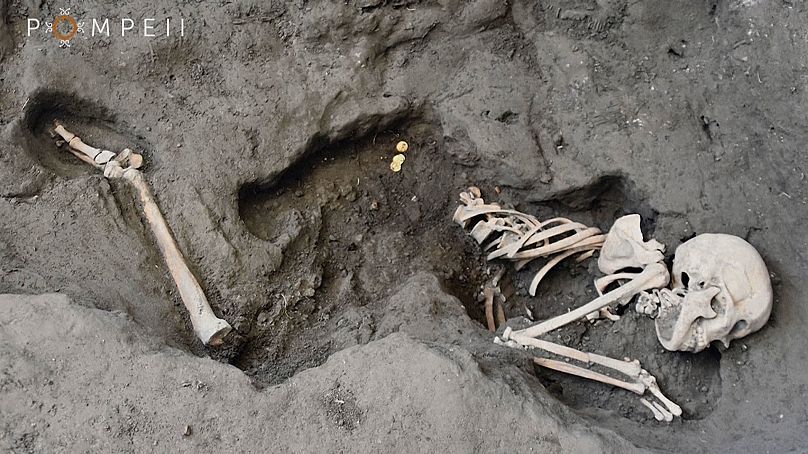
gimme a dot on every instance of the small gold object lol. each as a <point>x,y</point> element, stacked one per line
<point>398,159</point>
<point>402,146</point>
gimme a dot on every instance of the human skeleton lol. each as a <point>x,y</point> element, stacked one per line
<point>720,288</point>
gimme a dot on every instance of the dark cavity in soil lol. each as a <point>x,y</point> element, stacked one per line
<point>95,125</point>
<point>352,231</point>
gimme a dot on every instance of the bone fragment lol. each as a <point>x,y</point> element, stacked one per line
<point>535,235</point>
<point>585,255</point>
<point>603,282</point>
<point>551,248</point>
<point>493,301</point>
<point>534,284</point>
<point>600,285</point>
<point>489,309</point>
<point>500,313</point>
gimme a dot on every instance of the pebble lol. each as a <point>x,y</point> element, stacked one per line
<point>187,432</point>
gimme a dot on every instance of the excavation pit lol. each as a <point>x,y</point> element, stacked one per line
<point>352,231</point>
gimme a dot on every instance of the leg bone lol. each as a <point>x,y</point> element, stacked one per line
<point>209,328</point>
<point>560,366</point>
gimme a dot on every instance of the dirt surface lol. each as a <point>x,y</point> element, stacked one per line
<point>268,131</point>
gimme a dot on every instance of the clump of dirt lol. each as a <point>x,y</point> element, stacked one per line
<point>341,409</point>
<point>352,231</point>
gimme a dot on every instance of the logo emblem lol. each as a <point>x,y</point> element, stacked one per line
<point>63,36</point>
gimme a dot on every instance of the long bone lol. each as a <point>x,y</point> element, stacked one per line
<point>640,380</point>
<point>600,285</point>
<point>560,366</point>
<point>654,275</point>
<point>209,328</point>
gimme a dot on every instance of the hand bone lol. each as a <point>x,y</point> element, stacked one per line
<point>647,304</point>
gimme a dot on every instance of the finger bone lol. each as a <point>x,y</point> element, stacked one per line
<point>650,382</point>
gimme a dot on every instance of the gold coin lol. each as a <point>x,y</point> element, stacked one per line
<point>402,146</point>
<point>398,159</point>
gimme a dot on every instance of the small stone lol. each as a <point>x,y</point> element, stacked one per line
<point>703,389</point>
<point>187,431</point>
<point>308,293</point>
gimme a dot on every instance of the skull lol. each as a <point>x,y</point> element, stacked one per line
<point>720,291</point>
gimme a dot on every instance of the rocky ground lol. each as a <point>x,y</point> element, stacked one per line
<point>268,130</point>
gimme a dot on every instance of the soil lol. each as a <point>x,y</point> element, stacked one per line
<point>268,132</point>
